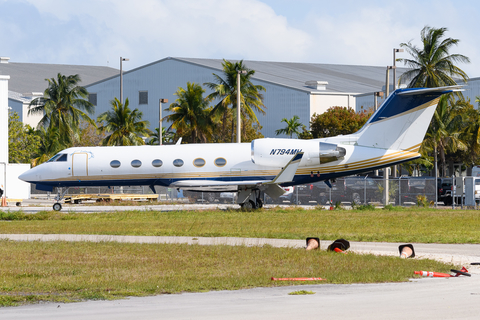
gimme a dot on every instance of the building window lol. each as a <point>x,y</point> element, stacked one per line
<point>157,163</point>
<point>178,162</point>
<point>92,98</point>
<point>115,164</point>
<point>136,163</point>
<point>199,162</point>
<point>143,97</point>
<point>220,162</point>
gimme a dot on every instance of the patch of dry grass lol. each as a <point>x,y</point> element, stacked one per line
<point>65,271</point>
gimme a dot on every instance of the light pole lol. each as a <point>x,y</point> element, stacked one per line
<point>121,78</point>
<point>160,120</point>
<point>387,81</point>
<point>377,94</point>
<point>239,138</point>
<point>394,68</point>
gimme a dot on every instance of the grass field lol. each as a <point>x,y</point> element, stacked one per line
<point>63,271</point>
<point>399,225</point>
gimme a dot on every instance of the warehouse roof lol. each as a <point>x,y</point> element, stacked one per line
<point>340,78</point>
<point>30,77</point>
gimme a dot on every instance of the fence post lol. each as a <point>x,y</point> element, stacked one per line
<point>365,190</point>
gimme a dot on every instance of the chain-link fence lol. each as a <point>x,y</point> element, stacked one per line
<point>363,190</point>
<point>358,190</point>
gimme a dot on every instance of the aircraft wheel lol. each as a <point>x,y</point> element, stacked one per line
<point>259,203</point>
<point>57,206</point>
<point>248,205</point>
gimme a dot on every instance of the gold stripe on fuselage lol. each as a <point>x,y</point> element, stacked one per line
<point>384,160</point>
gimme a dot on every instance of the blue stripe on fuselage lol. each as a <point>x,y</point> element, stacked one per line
<point>398,104</point>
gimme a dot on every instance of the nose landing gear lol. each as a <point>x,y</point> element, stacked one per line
<point>57,206</point>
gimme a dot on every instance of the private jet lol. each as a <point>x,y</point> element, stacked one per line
<point>392,135</point>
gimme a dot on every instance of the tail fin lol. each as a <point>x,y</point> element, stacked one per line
<point>403,119</point>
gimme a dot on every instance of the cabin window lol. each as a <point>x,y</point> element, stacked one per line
<point>220,162</point>
<point>63,157</point>
<point>136,163</point>
<point>55,157</point>
<point>199,162</point>
<point>157,163</point>
<point>178,162</point>
<point>115,164</point>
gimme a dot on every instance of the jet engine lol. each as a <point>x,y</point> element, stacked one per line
<point>277,152</point>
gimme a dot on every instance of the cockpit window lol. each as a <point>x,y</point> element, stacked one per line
<point>58,157</point>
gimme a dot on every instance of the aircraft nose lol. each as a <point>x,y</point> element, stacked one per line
<point>29,175</point>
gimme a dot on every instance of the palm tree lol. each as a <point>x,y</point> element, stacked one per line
<point>124,127</point>
<point>225,89</point>
<point>190,115</point>
<point>167,136</point>
<point>433,65</point>
<point>63,104</point>
<point>445,130</point>
<point>293,127</point>
<point>50,144</point>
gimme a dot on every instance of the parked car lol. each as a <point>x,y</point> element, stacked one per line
<point>287,196</point>
<point>228,197</point>
<point>444,193</point>
<point>360,189</point>
<point>411,187</point>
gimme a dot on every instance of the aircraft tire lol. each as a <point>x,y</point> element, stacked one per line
<point>57,206</point>
<point>249,205</point>
<point>259,204</point>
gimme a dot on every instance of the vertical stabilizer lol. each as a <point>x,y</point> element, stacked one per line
<point>403,119</point>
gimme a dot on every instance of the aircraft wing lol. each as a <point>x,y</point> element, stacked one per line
<point>270,187</point>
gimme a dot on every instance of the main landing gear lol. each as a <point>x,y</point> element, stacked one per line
<point>251,199</point>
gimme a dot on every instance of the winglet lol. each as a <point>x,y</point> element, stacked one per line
<point>288,172</point>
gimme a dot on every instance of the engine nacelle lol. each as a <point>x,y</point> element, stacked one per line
<point>277,152</point>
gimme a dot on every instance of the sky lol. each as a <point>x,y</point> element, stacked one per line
<point>348,32</point>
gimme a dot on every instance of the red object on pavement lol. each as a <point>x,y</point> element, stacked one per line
<point>297,279</point>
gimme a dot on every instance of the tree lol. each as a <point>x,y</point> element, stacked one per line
<point>293,126</point>
<point>222,133</point>
<point>49,146</point>
<point>336,121</point>
<point>63,104</point>
<point>445,130</point>
<point>23,141</point>
<point>433,65</point>
<point>190,115</point>
<point>89,137</point>
<point>167,136</point>
<point>123,126</point>
<point>225,89</point>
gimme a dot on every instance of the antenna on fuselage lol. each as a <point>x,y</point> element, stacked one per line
<point>179,141</point>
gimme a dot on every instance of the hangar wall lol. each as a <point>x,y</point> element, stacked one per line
<point>162,79</point>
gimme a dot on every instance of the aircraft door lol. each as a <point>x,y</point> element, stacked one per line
<point>80,165</point>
